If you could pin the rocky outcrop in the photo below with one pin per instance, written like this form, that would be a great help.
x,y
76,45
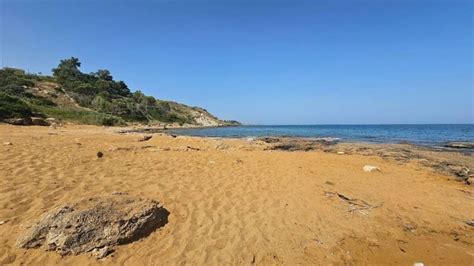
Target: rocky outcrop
x,y
39,121
18,121
95,225
27,121
459,145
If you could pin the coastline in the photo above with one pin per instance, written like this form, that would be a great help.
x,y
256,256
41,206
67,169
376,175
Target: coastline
x,y
243,201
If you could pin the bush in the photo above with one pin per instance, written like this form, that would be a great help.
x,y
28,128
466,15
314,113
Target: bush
x,y
82,117
13,107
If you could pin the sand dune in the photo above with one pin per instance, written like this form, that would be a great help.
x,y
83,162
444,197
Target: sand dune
x,y
232,202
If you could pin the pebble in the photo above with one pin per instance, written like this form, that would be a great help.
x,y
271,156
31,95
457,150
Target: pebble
x,y
370,168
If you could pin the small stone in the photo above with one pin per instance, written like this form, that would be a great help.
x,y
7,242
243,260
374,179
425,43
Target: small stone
x,y
370,168
100,154
145,138
470,223
100,253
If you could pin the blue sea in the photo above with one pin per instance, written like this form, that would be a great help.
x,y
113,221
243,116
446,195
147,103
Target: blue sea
x,y
431,135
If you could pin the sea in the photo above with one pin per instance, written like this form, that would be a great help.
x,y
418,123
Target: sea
x,y
430,135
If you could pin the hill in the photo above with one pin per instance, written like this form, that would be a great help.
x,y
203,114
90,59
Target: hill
x,y
96,98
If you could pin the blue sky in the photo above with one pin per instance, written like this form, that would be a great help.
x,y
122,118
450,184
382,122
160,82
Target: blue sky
x,y
264,62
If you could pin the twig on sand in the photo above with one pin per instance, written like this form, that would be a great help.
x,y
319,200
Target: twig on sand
x,y
356,204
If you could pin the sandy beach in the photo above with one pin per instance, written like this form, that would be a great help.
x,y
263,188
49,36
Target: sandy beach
x,y
233,201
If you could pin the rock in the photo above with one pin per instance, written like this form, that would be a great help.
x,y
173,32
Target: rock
x,y
100,253
18,121
370,168
145,138
460,145
470,223
39,121
95,224
461,172
100,154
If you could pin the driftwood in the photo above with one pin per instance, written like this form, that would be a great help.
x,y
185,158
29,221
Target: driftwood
x,y
358,205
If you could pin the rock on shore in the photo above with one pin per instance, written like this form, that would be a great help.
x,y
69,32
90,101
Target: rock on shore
x,y
95,224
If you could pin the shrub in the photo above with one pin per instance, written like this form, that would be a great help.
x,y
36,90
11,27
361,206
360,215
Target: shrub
x,y
13,107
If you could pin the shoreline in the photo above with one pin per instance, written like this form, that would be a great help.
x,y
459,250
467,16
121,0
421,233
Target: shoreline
x,y
445,145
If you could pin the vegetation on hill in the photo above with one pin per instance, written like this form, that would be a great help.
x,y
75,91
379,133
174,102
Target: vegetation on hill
x,y
94,98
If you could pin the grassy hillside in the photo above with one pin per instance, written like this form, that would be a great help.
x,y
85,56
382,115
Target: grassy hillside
x,y
96,98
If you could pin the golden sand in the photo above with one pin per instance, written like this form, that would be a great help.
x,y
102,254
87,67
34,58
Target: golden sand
x,y
232,202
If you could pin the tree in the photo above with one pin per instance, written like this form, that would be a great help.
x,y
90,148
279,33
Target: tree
x,y
67,70
104,74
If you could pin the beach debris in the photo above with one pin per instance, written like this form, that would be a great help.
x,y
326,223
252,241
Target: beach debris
x,y
357,205
100,154
410,227
95,224
470,223
222,146
7,143
192,148
418,264
400,243
370,168
250,139
3,222
341,153
212,162
145,138
329,183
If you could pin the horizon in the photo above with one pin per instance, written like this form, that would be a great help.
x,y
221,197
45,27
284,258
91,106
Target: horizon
x,y
266,63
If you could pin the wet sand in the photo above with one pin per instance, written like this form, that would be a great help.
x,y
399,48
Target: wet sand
x,y
237,202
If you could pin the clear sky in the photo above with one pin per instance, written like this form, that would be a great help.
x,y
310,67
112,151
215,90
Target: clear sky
x,y
264,62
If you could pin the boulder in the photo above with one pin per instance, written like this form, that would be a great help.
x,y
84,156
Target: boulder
x,y
95,225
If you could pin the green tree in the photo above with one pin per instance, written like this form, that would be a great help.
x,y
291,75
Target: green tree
x,y
104,74
68,70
